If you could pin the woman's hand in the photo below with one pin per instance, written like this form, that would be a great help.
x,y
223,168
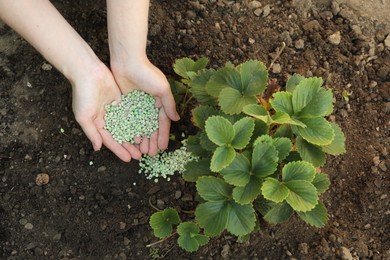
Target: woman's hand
x,y
145,76
90,95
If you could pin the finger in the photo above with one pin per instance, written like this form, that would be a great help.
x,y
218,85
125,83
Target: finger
x,y
144,145
168,102
137,139
114,146
153,144
133,150
157,102
91,132
164,124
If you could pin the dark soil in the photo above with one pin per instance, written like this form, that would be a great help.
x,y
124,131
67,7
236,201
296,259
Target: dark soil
x,y
96,207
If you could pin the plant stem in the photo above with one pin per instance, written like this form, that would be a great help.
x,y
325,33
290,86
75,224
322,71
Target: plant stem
x,y
277,55
151,204
161,240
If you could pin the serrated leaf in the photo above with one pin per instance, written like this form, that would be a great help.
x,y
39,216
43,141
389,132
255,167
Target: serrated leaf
x,y
238,172
261,128
223,78
241,219
198,87
321,182
319,105
189,237
281,118
284,131
263,205
283,146
161,222
186,67
302,195
212,217
299,170
194,146
274,190
279,213
201,113
232,101
248,193
304,92
219,130
263,139
316,217
293,81
282,102
258,112
206,143
317,131
196,169
213,188
178,89
222,158
310,152
264,159
253,77
243,129
337,146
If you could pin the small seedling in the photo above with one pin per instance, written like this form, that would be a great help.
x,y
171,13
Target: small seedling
x,y
258,151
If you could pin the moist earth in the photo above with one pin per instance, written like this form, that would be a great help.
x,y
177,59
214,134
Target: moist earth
x,y
96,207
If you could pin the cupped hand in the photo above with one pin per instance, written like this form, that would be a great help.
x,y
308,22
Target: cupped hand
x,y
90,95
144,76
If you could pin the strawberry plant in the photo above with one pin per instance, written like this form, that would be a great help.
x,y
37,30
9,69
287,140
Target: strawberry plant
x,y
258,148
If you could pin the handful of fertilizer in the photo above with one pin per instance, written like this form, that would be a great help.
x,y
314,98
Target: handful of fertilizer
x,y
135,116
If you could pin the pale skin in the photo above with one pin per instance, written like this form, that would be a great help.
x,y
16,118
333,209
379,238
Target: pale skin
x,y
93,84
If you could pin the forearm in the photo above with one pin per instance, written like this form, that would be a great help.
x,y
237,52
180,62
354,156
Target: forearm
x,y
43,27
127,30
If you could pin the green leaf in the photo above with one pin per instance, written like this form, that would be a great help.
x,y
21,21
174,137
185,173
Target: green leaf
x,y
196,169
302,195
337,146
232,101
241,219
283,146
238,172
279,213
263,205
178,90
206,143
316,217
304,92
282,102
162,221
219,130
248,193
299,170
223,78
274,190
198,87
258,112
317,131
293,82
321,182
263,139
213,188
310,152
284,131
281,118
212,217
183,67
194,146
189,237
243,131
201,113
264,159
319,105
261,128
253,77
222,157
